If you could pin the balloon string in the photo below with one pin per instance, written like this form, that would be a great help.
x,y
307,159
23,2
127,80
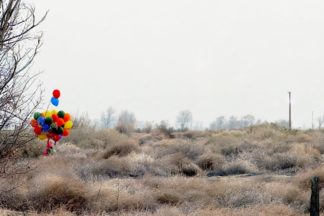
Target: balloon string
x,y
49,103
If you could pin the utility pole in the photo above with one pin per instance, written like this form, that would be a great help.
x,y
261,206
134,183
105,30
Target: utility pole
x,y
289,93
312,120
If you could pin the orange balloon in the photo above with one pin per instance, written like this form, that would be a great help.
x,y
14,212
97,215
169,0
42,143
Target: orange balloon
x,y
67,117
34,123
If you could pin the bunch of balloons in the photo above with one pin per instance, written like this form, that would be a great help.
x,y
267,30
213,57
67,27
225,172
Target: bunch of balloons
x,y
51,125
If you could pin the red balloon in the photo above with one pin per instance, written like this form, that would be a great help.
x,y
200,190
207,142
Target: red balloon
x,y
56,93
55,117
66,132
56,138
38,130
50,135
60,122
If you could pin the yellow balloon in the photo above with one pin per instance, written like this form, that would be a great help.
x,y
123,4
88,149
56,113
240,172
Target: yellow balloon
x,y
54,111
42,136
48,114
68,124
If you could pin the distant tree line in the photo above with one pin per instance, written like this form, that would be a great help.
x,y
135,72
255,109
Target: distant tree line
x,y
222,123
125,122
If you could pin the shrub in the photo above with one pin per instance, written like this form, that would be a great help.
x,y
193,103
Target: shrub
x,y
126,122
169,198
120,149
279,161
177,163
112,167
33,150
148,138
234,168
164,129
210,161
52,191
188,148
224,144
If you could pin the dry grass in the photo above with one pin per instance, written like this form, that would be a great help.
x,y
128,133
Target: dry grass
x,y
102,172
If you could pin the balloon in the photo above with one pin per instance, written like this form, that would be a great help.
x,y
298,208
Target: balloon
x,y
67,117
38,130
33,123
55,101
60,122
68,124
42,137
37,115
46,128
54,111
48,114
52,124
55,117
41,120
66,132
48,120
56,138
60,131
50,135
61,114
56,93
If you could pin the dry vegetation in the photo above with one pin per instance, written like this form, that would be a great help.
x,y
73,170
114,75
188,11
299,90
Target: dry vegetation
x,y
262,170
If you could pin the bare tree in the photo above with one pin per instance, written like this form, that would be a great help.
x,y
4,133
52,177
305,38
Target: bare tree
x,y
320,121
247,120
184,119
108,118
233,123
126,122
82,121
218,124
19,95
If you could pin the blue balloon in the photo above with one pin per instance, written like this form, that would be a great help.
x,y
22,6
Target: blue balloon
x,y
55,101
41,121
46,128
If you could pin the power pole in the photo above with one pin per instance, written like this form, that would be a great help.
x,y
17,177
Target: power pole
x,y
289,93
313,120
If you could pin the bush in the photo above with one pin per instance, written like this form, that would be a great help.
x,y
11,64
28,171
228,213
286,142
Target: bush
x,y
178,164
234,168
169,198
33,150
120,149
53,191
210,161
279,161
188,148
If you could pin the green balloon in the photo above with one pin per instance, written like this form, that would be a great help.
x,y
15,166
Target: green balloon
x,y
60,131
54,130
49,120
37,115
61,114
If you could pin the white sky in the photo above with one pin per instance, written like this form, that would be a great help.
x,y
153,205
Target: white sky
x,y
214,57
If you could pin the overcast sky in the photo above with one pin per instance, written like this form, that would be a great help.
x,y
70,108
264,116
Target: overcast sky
x,y
214,57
